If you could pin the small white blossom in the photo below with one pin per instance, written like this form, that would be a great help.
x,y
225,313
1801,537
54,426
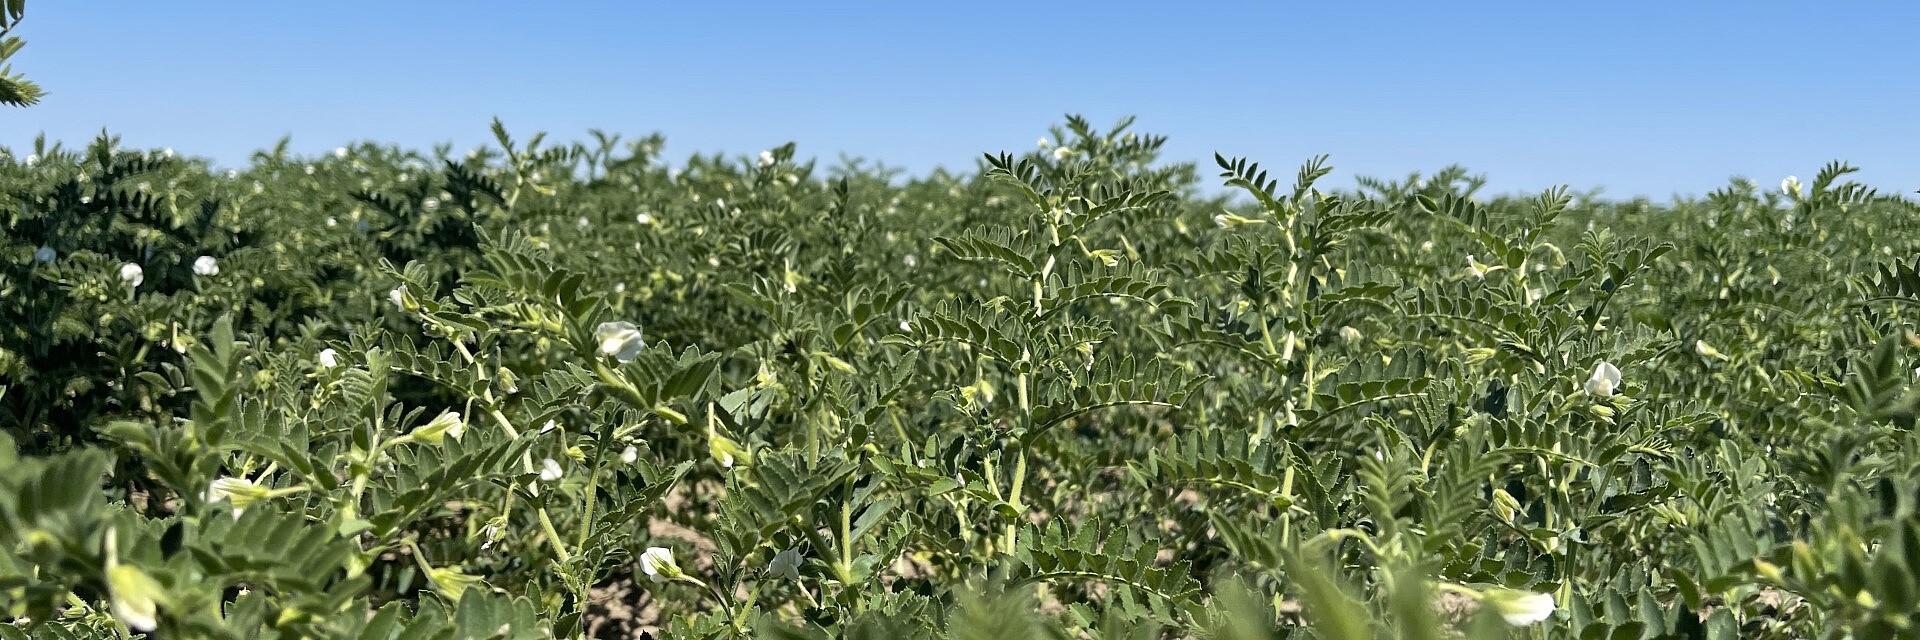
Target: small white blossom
x,y
430,204
1061,153
340,152
549,426
644,218
1604,381
629,454
766,158
331,223
786,564
168,152
658,564
905,328
231,174
621,340
206,266
446,424
45,254
309,169
329,358
492,534
550,470
1044,143
1350,334
133,594
240,492
1520,608
1707,351
398,296
1790,186
132,274
911,261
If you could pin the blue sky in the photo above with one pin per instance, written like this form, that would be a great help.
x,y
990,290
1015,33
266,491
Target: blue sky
x,y
1642,98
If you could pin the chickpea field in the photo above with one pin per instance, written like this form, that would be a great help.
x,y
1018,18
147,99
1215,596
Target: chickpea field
x,y
584,390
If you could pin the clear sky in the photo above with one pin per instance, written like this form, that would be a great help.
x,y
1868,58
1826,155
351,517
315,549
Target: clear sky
x,y
1642,98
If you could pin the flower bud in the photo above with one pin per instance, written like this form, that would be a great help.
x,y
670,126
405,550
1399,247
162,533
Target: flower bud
x,y
451,582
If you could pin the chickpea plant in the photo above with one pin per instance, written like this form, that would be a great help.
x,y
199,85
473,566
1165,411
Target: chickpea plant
x,y
545,390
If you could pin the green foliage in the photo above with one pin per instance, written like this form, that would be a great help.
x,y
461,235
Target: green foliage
x,y
392,394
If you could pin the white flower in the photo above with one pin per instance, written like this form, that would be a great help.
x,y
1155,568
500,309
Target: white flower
x,y
629,454
241,492
644,218
430,204
1707,351
1605,379
331,223
132,274
1061,153
1350,334
398,296
435,431
766,158
309,169
45,254
905,328
549,426
32,158
658,564
1520,607
133,593
550,470
329,358
340,152
168,152
1044,143
206,266
1426,246
911,261
621,340
786,564
1790,186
